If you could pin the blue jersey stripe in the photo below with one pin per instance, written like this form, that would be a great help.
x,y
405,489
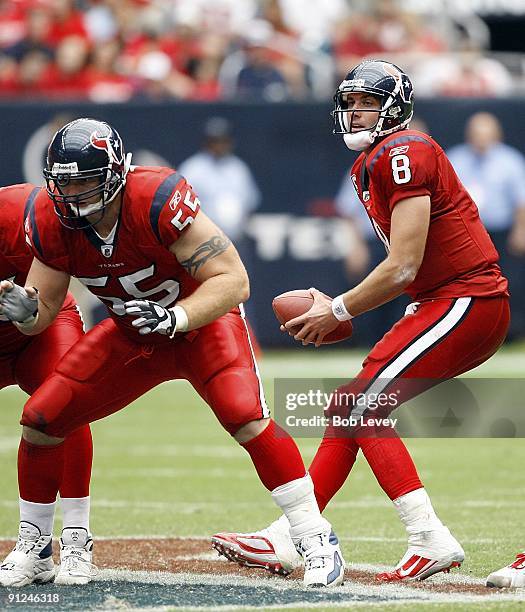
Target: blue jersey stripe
x,y
163,192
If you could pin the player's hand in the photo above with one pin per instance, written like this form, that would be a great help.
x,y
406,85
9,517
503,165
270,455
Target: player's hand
x,y
17,303
315,324
151,317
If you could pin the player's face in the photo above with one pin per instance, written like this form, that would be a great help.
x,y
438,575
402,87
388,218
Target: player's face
x,y
363,111
79,186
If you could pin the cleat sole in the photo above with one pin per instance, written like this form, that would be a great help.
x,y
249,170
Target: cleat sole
x,y
395,577
233,555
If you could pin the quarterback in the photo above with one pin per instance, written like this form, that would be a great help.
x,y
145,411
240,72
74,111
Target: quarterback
x,y
438,252
136,238
27,361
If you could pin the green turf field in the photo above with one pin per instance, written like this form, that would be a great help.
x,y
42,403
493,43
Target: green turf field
x,y
163,466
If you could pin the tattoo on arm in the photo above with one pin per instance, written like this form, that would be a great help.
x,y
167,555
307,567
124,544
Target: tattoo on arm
x,y
207,250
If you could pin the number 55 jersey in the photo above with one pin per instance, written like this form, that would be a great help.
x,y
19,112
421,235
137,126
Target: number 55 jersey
x,y
134,261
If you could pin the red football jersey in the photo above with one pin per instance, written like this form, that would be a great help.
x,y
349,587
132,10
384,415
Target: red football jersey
x,y
15,255
460,259
158,205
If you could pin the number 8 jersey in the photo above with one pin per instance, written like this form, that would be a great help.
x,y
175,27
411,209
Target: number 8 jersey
x,y
460,259
134,261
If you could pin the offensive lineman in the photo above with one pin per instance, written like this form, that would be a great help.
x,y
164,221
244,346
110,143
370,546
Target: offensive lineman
x,y
441,255
27,362
131,234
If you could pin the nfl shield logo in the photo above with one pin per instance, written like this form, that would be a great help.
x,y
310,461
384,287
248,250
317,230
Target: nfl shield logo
x,y
107,250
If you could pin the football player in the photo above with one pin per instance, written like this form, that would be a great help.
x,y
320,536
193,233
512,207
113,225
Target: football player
x,y
27,361
438,252
173,282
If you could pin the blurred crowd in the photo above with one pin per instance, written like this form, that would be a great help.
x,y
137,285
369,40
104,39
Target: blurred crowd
x,y
206,50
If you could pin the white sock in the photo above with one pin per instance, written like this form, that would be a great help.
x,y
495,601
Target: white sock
x,y
297,500
416,512
41,515
75,512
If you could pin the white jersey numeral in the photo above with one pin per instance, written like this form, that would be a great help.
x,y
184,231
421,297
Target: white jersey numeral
x,y
129,284
401,169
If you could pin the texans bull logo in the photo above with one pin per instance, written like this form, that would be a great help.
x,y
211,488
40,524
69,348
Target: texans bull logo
x,y
104,143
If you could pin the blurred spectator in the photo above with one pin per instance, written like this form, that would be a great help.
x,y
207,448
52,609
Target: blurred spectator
x,y
39,24
220,16
12,22
67,21
68,77
223,181
385,29
226,188
100,21
315,20
106,83
256,75
262,49
467,73
159,80
494,175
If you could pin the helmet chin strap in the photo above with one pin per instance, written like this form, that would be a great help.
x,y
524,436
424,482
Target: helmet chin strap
x,y
359,141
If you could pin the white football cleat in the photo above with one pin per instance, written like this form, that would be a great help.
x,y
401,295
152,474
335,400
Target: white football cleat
x,y
511,576
76,553
324,565
429,552
31,559
270,549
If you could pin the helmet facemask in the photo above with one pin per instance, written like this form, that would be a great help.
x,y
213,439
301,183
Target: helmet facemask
x,y
395,110
74,209
90,152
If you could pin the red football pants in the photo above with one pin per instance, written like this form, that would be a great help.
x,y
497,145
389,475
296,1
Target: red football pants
x,y
29,366
106,371
441,339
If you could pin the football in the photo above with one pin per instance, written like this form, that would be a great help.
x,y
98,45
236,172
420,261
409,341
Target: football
x,y
294,303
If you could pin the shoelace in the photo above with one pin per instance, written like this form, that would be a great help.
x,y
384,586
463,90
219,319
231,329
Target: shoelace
x,y
25,546
314,555
72,562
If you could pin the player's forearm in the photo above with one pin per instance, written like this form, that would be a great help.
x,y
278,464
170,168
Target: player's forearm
x,y
387,281
215,297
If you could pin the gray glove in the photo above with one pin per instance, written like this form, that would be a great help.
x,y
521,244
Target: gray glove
x,y
17,305
152,317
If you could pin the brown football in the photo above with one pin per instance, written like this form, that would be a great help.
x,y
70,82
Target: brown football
x,y
294,303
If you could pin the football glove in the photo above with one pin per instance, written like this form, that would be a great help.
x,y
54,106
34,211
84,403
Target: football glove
x,y
151,317
16,304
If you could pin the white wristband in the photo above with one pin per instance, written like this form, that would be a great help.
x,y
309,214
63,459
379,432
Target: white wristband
x,y
181,319
339,309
